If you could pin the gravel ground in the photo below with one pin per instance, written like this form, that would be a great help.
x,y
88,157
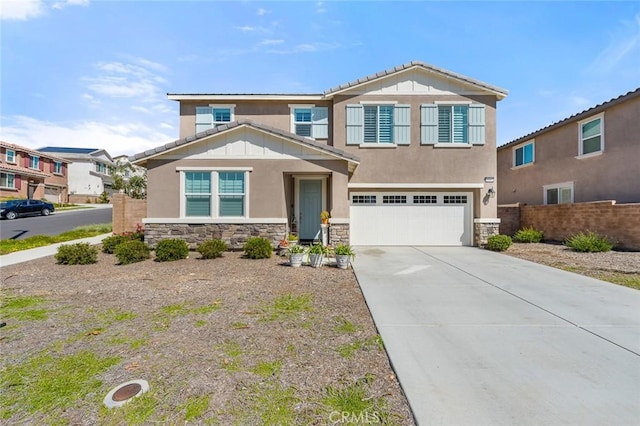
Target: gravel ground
x,y
186,316
592,264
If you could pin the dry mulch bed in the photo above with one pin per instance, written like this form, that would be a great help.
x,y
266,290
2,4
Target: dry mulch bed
x,y
195,328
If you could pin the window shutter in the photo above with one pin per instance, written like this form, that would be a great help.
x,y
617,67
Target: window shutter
x,y
320,120
476,124
204,118
64,169
402,124
17,181
429,124
27,161
355,124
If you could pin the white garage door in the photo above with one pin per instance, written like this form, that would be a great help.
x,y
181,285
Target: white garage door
x,y
401,219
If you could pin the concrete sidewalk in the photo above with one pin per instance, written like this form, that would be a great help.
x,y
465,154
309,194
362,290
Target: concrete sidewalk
x,y
50,250
481,338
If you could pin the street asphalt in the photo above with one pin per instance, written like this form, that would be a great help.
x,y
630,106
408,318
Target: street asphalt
x,y
482,338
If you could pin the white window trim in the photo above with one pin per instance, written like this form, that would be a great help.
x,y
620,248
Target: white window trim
x,y
60,173
7,177
452,102
31,157
6,156
292,116
558,186
452,145
215,195
580,146
378,145
522,145
232,110
378,103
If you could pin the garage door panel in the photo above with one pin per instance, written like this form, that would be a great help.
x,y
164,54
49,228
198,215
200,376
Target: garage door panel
x,y
411,224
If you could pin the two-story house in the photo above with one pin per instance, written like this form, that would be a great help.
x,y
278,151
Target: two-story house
x,y
406,156
591,156
27,173
89,172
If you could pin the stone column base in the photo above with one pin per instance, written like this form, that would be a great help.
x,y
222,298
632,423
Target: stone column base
x,y
483,229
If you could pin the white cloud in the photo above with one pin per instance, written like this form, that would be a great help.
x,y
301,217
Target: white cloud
x,y
120,80
306,48
122,138
320,7
21,10
624,45
262,12
270,42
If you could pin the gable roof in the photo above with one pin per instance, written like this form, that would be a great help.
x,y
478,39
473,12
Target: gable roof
x,y
575,117
499,92
21,148
328,94
77,153
141,158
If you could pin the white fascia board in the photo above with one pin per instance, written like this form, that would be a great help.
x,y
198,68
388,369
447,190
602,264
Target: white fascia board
x,y
213,220
415,185
245,97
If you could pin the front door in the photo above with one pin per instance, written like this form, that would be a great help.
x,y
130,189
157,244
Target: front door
x,y
310,208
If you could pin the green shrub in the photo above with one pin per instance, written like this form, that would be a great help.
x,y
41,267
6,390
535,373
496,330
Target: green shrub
x,y
589,242
109,244
212,248
258,248
132,251
498,242
528,235
171,249
76,254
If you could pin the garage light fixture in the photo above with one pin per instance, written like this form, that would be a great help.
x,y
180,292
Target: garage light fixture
x,y
489,179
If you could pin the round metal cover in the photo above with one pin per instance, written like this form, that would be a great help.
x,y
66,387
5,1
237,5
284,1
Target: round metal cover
x,y
125,392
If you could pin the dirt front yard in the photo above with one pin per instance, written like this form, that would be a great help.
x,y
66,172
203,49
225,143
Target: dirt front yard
x,y
224,341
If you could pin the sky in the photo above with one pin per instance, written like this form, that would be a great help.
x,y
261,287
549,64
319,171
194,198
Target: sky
x,y
96,73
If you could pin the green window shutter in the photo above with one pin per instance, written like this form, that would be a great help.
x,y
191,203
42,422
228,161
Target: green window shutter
x,y
355,124
320,120
429,124
402,124
476,124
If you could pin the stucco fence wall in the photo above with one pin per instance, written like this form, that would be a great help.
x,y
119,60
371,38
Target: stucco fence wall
x,y
619,222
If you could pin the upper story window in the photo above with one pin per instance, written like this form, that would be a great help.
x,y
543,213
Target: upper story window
x,y
11,156
310,121
560,193
7,180
382,124
101,168
452,124
34,162
524,154
591,138
212,116
57,167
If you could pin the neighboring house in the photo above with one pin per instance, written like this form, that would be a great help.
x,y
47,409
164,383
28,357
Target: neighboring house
x,y
27,173
126,168
591,156
89,173
406,156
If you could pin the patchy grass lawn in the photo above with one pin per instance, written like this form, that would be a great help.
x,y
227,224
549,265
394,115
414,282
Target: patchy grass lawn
x,y
10,246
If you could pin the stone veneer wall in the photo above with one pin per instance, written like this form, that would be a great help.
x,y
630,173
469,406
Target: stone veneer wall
x,y
338,233
482,232
235,235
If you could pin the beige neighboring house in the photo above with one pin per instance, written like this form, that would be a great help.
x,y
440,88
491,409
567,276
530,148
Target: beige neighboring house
x,y
406,156
27,173
591,156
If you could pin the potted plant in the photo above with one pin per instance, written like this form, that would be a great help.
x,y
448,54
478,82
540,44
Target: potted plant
x,y
324,217
317,252
344,253
296,254
292,239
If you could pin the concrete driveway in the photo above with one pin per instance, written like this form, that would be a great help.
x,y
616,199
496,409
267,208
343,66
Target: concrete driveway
x,y
481,338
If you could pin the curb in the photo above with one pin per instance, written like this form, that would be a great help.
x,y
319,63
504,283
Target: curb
x,y
44,251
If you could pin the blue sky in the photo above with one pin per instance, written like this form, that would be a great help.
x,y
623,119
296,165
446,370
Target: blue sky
x,y
95,73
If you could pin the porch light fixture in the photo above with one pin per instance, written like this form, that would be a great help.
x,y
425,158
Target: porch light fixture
x,y
489,179
491,192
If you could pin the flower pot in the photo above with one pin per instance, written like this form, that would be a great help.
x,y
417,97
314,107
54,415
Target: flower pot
x,y
342,261
295,259
315,260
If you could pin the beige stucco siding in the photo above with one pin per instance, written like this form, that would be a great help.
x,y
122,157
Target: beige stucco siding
x,y
272,113
613,175
269,184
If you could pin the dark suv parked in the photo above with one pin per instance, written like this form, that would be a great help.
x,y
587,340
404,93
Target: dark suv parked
x,y
13,208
